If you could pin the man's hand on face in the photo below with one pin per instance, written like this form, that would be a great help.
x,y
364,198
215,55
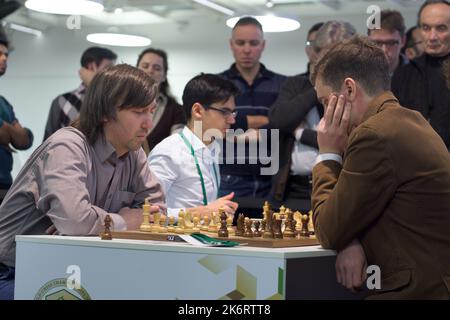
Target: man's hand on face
x,y
332,131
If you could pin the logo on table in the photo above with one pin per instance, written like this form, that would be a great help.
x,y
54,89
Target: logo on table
x,y
60,289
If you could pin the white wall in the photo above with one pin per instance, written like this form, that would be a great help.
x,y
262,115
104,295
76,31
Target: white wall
x,y
41,68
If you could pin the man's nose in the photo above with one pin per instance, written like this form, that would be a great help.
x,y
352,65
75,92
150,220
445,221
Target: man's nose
x,y
148,121
433,34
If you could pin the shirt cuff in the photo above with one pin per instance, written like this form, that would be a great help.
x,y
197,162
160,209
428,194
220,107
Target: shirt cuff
x,y
329,156
119,223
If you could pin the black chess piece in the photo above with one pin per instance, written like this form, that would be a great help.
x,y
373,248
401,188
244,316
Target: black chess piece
x,y
106,235
257,233
248,228
223,231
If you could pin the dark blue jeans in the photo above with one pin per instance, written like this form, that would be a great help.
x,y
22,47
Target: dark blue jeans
x,y
7,275
245,186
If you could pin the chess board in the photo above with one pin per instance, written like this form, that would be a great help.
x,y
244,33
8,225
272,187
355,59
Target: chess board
x,y
252,242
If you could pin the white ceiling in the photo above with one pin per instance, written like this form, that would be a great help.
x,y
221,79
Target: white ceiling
x,y
173,21
144,12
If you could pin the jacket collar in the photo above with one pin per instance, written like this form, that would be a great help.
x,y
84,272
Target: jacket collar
x,y
379,103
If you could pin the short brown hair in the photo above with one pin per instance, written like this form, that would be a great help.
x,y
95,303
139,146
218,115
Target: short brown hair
x,y
113,89
357,58
248,21
391,20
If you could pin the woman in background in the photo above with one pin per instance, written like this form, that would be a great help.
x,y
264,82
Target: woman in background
x,y
168,116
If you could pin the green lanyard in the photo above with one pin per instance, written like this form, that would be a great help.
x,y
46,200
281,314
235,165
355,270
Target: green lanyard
x,y
202,181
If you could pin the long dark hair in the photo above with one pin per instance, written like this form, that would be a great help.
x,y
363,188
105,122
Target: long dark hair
x,y
113,89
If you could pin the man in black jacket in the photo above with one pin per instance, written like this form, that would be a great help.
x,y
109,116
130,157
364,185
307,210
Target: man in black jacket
x,y
296,113
420,85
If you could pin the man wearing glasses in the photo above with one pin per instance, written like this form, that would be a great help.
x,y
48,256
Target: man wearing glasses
x,y
414,46
186,163
390,37
420,84
309,50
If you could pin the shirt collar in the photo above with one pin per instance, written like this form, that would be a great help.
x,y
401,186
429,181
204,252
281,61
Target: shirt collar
x,y
81,89
262,72
196,143
104,150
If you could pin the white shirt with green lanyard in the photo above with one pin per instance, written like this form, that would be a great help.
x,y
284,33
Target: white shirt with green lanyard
x,y
187,169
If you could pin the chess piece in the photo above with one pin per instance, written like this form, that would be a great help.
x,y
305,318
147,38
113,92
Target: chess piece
x,y
277,234
282,213
230,226
248,228
156,218
288,231
205,225
106,235
181,214
310,223
196,228
146,226
212,225
268,230
298,220
223,231
162,224
257,233
180,225
304,232
266,208
293,224
263,225
171,228
188,220
240,225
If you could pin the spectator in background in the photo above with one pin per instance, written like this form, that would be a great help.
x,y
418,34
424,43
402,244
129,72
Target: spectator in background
x,y
420,84
168,116
414,45
66,107
390,38
12,134
259,89
309,47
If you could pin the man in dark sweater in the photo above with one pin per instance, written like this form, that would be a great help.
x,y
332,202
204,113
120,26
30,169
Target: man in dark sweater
x,y
420,85
259,87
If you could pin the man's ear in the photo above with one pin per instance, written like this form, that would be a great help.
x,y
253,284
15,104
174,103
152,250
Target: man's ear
x,y
350,89
403,41
197,111
92,66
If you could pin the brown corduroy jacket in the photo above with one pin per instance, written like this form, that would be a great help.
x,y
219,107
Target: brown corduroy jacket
x,y
392,192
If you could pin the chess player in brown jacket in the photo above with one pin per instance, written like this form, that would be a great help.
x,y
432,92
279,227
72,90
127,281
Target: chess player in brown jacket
x,y
381,184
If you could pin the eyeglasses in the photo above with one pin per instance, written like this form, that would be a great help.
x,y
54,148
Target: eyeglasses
x,y
387,43
225,112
